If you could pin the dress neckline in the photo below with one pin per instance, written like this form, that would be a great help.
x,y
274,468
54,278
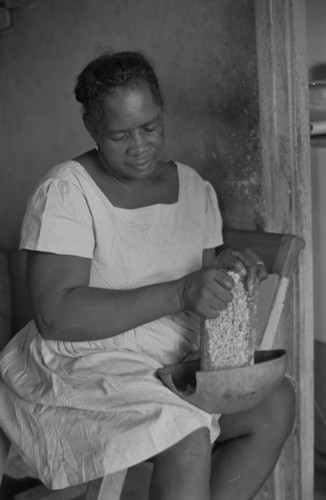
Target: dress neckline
x,y
138,209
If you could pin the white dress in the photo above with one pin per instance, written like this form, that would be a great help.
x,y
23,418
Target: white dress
x,y
76,411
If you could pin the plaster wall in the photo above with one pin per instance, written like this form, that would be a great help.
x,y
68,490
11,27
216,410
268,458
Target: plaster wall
x,y
204,54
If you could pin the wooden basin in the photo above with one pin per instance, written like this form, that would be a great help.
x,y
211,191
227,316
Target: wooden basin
x,y
227,390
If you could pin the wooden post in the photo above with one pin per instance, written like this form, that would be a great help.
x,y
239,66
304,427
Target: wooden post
x,y
285,148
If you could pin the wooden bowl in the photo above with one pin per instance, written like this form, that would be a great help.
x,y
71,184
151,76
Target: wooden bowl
x,y
227,390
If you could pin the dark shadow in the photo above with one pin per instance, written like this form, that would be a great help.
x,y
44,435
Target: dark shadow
x,y
318,72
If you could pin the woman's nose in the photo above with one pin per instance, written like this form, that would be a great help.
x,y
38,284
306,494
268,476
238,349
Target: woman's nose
x,y
138,142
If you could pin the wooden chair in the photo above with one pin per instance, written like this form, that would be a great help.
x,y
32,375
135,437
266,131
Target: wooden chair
x,y
280,254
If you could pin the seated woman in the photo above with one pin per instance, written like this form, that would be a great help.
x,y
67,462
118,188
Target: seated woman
x,y
121,252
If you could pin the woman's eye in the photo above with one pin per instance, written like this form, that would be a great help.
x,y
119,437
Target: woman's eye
x,y
118,137
150,128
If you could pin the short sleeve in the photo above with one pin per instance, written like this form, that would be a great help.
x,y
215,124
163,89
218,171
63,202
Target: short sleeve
x,y
213,219
58,220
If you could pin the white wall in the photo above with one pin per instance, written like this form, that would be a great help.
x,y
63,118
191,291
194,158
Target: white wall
x,y
316,38
316,50
204,52
318,166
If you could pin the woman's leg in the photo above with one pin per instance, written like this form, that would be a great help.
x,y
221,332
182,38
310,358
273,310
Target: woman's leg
x,y
249,445
182,472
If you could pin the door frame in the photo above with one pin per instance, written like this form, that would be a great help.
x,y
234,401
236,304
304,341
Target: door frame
x,y
286,180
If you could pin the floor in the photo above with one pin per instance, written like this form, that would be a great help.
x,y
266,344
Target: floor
x,y
32,490
320,476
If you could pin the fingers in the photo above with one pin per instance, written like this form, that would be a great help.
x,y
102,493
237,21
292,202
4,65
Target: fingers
x,y
206,292
250,260
220,293
261,270
244,262
222,278
228,259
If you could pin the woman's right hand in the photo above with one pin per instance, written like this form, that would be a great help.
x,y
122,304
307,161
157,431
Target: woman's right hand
x,y
206,292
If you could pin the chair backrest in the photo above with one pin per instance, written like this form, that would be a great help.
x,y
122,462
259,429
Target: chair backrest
x,y
22,312
280,253
5,300
15,310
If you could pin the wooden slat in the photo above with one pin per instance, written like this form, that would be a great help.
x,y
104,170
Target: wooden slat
x,y
266,297
286,261
40,492
268,340
107,488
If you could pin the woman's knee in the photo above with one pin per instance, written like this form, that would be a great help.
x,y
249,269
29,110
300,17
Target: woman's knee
x,y
285,403
280,411
194,448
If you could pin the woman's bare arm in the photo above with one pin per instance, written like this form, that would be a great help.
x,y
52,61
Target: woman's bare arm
x,y
66,308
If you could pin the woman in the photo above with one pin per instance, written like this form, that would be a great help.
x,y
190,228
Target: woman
x,y
121,266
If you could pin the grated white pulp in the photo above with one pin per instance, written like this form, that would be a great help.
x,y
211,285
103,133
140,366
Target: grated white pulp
x,y
228,341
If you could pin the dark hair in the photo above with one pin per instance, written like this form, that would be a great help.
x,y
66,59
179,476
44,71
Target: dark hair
x,y
109,71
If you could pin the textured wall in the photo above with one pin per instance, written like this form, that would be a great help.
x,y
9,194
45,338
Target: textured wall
x,y
204,52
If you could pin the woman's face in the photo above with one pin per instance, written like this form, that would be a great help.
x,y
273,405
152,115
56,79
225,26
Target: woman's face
x,y
130,133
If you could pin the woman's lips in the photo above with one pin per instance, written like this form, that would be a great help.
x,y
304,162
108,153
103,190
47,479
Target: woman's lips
x,y
140,163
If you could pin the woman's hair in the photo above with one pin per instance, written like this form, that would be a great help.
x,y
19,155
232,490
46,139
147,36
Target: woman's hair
x,y
110,71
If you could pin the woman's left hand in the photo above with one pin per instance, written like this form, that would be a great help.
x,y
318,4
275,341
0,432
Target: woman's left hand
x,y
244,262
